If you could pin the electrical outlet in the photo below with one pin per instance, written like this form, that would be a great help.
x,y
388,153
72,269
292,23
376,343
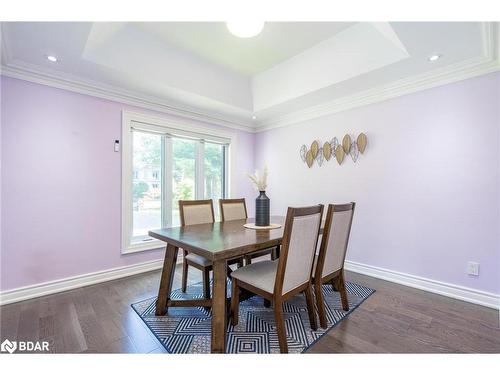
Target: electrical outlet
x,y
473,268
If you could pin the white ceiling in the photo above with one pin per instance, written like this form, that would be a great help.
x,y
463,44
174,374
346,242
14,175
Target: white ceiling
x,y
277,42
285,72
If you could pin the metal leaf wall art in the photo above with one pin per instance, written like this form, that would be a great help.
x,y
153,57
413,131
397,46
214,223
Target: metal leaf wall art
x,y
334,150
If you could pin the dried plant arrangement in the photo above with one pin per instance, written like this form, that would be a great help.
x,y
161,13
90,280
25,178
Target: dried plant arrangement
x,y
259,181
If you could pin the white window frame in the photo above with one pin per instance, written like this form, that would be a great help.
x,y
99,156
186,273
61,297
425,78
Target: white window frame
x,y
167,128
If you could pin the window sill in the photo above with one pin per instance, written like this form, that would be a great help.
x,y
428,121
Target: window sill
x,y
144,246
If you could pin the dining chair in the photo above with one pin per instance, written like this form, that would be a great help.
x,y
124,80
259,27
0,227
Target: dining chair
x,y
236,209
329,264
291,274
193,212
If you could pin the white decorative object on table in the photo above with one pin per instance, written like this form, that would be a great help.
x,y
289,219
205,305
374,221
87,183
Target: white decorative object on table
x,y
253,226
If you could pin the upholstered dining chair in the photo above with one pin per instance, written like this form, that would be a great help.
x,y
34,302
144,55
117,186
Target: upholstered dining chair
x,y
236,209
282,279
329,264
194,212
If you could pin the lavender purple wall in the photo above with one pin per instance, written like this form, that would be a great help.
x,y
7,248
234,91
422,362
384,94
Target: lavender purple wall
x,y
427,188
61,184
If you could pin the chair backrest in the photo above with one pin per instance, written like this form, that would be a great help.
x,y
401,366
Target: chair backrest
x,y
335,239
196,212
298,247
233,209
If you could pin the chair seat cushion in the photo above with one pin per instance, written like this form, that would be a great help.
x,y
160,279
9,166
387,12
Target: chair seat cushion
x,y
202,261
261,275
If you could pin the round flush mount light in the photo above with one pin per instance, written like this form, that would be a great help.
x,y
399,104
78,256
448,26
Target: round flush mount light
x,y
52,58
434,58
254,117
245,28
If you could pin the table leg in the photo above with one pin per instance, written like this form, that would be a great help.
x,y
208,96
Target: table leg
x,y
167,279
219,307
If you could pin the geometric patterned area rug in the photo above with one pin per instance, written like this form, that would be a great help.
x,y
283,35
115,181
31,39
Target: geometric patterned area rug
x,y
187,330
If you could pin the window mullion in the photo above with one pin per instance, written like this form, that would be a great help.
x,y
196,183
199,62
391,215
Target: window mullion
x,y
167,179
200,170
225,172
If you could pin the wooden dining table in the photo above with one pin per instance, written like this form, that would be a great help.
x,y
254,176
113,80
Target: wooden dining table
x,y
217,242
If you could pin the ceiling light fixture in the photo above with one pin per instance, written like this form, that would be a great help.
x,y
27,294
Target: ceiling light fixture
x,y
245,29
52,58
254,117
434,58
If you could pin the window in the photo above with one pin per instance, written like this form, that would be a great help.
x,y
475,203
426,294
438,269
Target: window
x,y
161,165
146,197
214,176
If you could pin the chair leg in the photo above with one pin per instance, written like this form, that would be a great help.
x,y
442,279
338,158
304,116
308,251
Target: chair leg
x,y
334,285
235,302
277,251
320,303
280,325
274,253
206,283
184,272
343,291
310,308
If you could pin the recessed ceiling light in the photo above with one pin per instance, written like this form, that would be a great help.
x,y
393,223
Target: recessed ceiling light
x,y
52,58
245,29
254,117
434,58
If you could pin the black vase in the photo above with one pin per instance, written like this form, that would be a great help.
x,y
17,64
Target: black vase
x,y
262,210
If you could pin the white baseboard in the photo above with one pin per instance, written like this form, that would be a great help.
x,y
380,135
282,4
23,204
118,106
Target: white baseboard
x,y
449,290
61,285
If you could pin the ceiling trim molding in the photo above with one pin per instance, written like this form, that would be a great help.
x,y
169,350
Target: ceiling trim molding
x,y
488,63
452,73
32,74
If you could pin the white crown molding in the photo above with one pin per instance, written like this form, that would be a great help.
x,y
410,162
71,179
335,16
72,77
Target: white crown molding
x,y
10,68
474,67
450,74
488,63
61,285
475,296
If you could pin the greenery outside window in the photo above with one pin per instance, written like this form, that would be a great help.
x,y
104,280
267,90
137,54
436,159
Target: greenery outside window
x,y
161,165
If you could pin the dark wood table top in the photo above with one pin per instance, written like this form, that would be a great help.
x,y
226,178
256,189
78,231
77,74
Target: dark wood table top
x,y
221,240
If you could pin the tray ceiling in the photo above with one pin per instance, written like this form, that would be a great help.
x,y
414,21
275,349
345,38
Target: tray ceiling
x,y
291,68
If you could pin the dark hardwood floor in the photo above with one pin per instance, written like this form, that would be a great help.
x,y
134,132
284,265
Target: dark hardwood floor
x,y
396,319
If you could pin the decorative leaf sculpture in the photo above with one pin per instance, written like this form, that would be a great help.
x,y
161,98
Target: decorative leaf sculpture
x,y
354,151
339,155
346,143
303,151
314,149
334,149
334,143
320,158
327,151
362,141
309,158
